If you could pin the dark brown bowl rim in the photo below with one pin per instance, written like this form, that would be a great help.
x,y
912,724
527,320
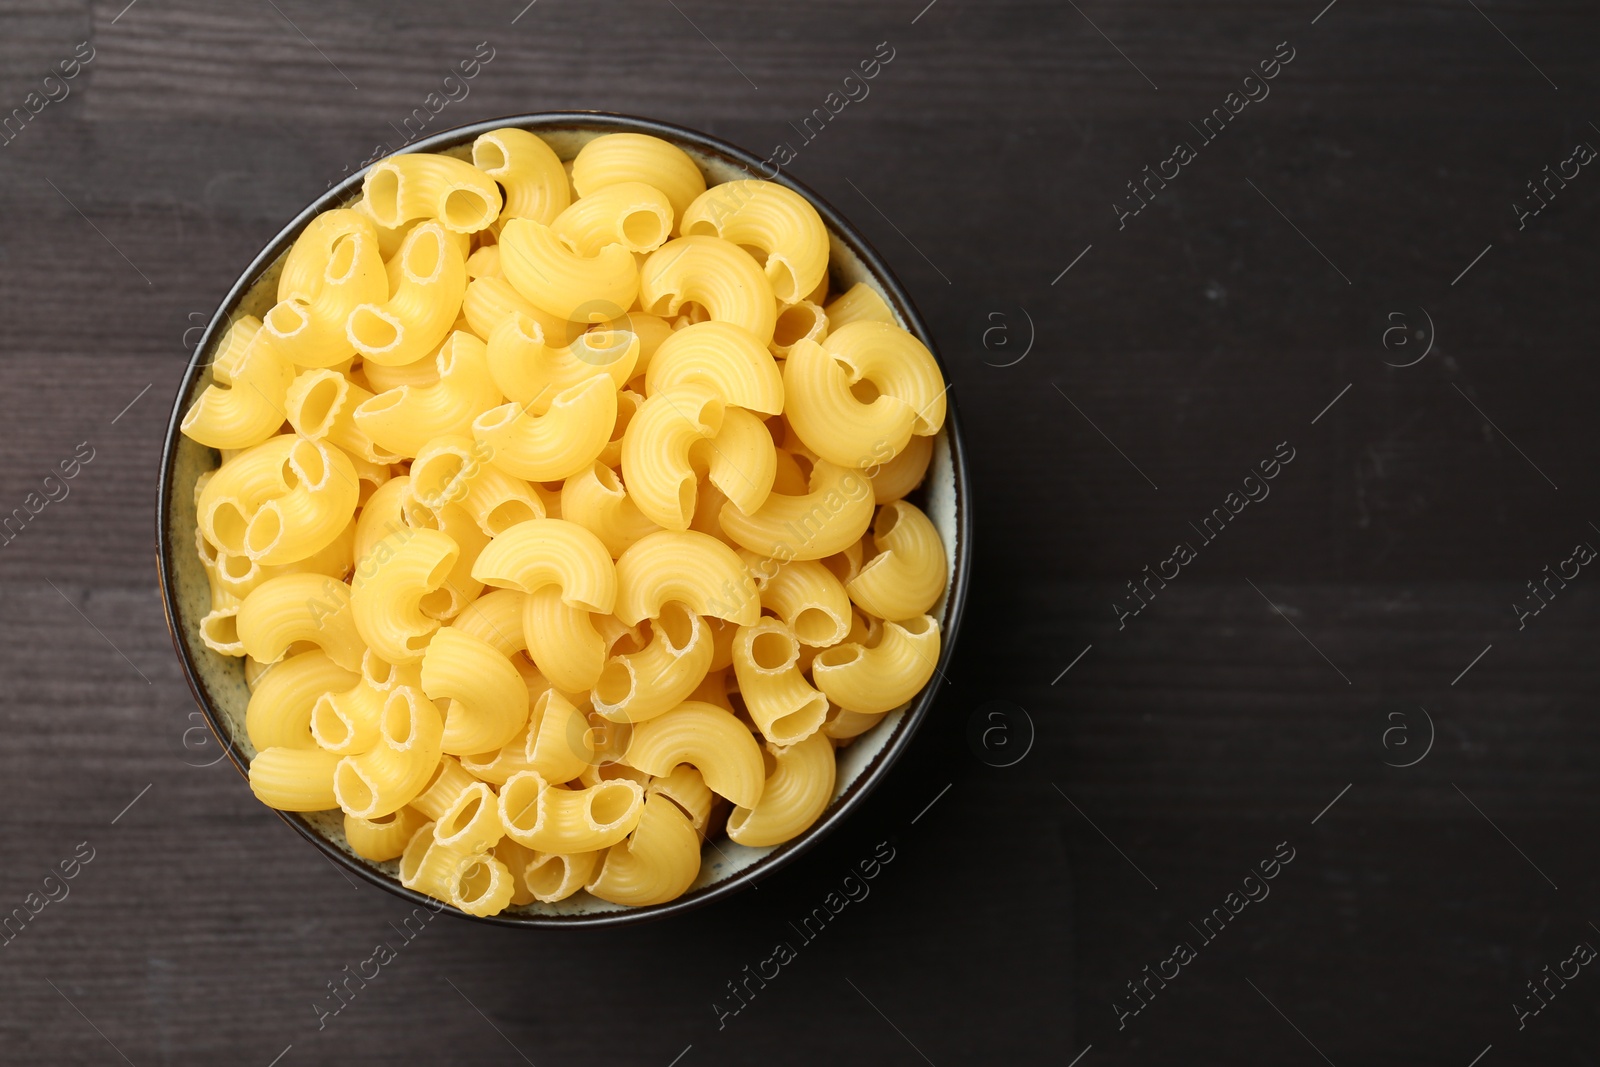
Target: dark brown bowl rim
x,y
955,603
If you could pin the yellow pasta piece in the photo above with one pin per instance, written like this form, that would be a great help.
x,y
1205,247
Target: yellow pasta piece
x,y
797,792
659,861
641,685
387,607
300,607
382,838
726,358
311,332
321,404
656,451
707,738
528,371
804,321
394,771
552,552
562,282
903,473
305,267
552,876
782,703
595,499
687,566
422,304
832,515
551,818
531,173
740,460
485,700
560,442
715,274
244,404
859,303
778,221
880,678
416,185
807,596
634,215
489,301
614,158
403,420
294,779
907,576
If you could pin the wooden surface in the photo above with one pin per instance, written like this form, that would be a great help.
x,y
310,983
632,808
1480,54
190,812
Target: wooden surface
x,y
1171,758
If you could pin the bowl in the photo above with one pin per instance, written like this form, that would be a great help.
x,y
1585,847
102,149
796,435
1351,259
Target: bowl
x,y
218,681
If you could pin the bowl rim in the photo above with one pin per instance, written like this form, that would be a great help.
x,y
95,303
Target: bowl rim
x,y
880,764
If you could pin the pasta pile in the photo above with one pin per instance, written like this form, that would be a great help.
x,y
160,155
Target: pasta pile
x,y
559,519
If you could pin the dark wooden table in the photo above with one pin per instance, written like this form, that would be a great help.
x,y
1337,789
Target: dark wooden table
x,y
1119,378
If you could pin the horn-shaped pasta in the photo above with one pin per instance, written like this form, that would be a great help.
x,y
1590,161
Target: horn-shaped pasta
x,y
709,739
562,640
477,882
346,722
550,818
631,214
807,596
311,333
844,725
685,788
489,301
483,885
460,587
595,499
244,404
881,678
300,607
555,743
404,419
306,265
686,566
741,459
496,618
716,274
557,444
781,702
826,520
570,286
387,606
652,331
294,779
859,303
421,307
773,218
804,321
552,876
544,552
825,411
383,838
725,357
394,771
797,793
904,472
321,405
487,702
897,364
528,169
641,685
238,489
419,185
317,505
656,451
279,712
614,158
909,572
528,371
471,821
659,861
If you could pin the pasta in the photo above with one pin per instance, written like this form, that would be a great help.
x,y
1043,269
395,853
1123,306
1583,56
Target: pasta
x,y
560,520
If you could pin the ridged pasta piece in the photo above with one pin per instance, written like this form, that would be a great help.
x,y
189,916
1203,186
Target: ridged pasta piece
x,y
516,859
387,607
859,303
311,332
685,788
570,286
294,779
529,371
635,215
782,703
641,685
244,404
403,420
557,444
687,566
716,274
844,726
422,304
796,794
652,331
496,618
880,678
321,403
552,876
659,861
551,818
415,185
484,263
613,158
471,821
773,218
707,738
834,514
345,722
393,772
552,552
300,607
740,460
562,640
460,588
904,472
804,321
656,451
908,575
482,886
595,499
382,838
806,595
317,504
489,301
724,357
556,742
306,265
484,698
834,422
529,171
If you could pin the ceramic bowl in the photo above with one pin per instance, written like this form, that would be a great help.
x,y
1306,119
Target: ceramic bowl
x,y
218,681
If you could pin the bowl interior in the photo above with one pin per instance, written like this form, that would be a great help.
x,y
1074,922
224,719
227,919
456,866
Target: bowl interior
x,y
219,681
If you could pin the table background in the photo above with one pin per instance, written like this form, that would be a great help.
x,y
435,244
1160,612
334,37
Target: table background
x,y
1322,636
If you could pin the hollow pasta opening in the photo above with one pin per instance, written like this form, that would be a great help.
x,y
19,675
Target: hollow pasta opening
x,y
467,209
865,391
383,195
772,650
837,656
815,626
373,330
354,793
331,730
643,228
547,875
507,514
264,530
677,625
616,684
399,720
488,154
342,263
796,725
610,803
520,803
287,317
319,402
415,852
229,524
424,254
474,882
460,817
781,275
795,323
918,626
221,627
